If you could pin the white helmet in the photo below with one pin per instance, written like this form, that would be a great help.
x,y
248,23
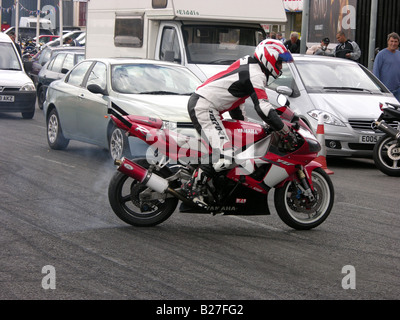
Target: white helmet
x,y
271,51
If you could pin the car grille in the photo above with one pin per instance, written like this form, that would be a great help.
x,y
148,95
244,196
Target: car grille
x,y
10,89
357,124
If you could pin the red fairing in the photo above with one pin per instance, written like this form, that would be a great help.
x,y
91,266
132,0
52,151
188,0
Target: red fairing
x,y
243,133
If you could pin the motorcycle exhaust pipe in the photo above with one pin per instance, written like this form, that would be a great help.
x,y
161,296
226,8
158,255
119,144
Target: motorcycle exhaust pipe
x,y
142,175
147,178
382,125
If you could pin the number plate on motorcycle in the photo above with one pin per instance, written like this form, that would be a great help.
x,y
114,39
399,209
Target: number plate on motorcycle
x,y
369,139
7,98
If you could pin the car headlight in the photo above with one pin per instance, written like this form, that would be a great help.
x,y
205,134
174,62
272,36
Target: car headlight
x,y
329,118
28,87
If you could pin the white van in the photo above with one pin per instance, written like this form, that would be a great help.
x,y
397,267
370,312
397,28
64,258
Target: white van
x,y
17,91
31,22
205,36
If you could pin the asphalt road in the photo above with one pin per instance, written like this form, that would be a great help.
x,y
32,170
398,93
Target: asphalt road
x,y
60,239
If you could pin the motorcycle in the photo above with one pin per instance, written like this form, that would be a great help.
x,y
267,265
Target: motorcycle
x,y
146,191
386,153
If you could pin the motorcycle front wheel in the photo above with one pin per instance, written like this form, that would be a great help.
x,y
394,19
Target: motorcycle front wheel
x,y
136,204
386,155
297,211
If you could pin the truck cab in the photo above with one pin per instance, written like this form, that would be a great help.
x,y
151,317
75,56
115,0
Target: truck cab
x,y
205,36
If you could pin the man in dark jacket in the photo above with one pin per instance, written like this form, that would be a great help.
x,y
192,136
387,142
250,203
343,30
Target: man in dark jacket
x,y
346,48
293,44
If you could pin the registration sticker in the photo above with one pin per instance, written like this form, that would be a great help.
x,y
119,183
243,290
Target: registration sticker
x,y
7,98
369,138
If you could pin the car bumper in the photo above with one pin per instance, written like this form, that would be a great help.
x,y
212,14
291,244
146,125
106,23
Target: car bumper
x,y
23,102
352,144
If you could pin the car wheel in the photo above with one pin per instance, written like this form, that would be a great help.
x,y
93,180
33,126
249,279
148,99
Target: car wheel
x,y
41,97
118,145
55,137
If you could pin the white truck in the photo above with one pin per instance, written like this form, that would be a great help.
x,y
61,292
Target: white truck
x,y
31,22
205,35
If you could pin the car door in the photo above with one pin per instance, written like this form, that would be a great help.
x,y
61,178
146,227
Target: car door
x,y
66,99
53,71
93,116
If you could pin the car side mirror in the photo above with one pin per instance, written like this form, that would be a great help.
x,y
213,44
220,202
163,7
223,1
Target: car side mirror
x,y
95,88
64,70
284,90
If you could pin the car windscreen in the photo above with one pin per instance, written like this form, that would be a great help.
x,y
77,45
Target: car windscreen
x,y
330,76
153,79
8,57
220,44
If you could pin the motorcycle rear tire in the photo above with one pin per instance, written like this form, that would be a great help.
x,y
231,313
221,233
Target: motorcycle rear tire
x,y
381,158
298,217
123,195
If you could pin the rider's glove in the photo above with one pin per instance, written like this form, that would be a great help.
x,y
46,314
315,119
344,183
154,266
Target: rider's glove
x,y
288,138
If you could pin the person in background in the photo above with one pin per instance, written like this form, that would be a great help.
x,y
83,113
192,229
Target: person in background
x,y
321,49
12,37
72,43
346,48
280,37
293,44
387,65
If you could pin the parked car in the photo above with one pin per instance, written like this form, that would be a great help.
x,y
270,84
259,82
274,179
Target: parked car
x,y
344,92
27,32
47,38
72,34
39,60
76,107
55,69
17,92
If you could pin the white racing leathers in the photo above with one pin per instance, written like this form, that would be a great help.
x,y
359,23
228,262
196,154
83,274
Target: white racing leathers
x,y
227,91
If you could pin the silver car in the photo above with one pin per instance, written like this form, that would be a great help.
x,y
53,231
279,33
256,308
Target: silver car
x,y
343,92
76,107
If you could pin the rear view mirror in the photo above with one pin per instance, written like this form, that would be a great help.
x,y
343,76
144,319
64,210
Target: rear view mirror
x,y
282,100
95,88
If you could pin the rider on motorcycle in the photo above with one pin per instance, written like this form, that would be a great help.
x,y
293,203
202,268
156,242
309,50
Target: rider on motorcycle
x,y
227,91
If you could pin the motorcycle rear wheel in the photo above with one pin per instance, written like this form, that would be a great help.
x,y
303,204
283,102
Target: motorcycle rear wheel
x,y
124,197
386,157
293,208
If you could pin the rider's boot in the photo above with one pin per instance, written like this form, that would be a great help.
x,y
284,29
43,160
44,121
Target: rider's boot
x,y
194,187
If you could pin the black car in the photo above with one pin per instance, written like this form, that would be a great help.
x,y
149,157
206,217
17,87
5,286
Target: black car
x,y
45,55
55,69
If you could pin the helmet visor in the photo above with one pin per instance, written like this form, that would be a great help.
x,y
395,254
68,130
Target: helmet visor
x,y
286,56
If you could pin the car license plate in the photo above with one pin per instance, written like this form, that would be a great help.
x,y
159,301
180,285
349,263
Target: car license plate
x,y
369,138
7,98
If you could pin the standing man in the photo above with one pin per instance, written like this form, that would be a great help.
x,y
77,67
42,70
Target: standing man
x,y
293,44
17,46
346,48
280,37
387,65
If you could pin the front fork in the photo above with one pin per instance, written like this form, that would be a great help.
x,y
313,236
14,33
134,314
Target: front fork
x,y
305,184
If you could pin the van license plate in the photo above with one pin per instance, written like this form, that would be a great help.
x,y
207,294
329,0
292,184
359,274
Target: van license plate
x,y
369,139
7,98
